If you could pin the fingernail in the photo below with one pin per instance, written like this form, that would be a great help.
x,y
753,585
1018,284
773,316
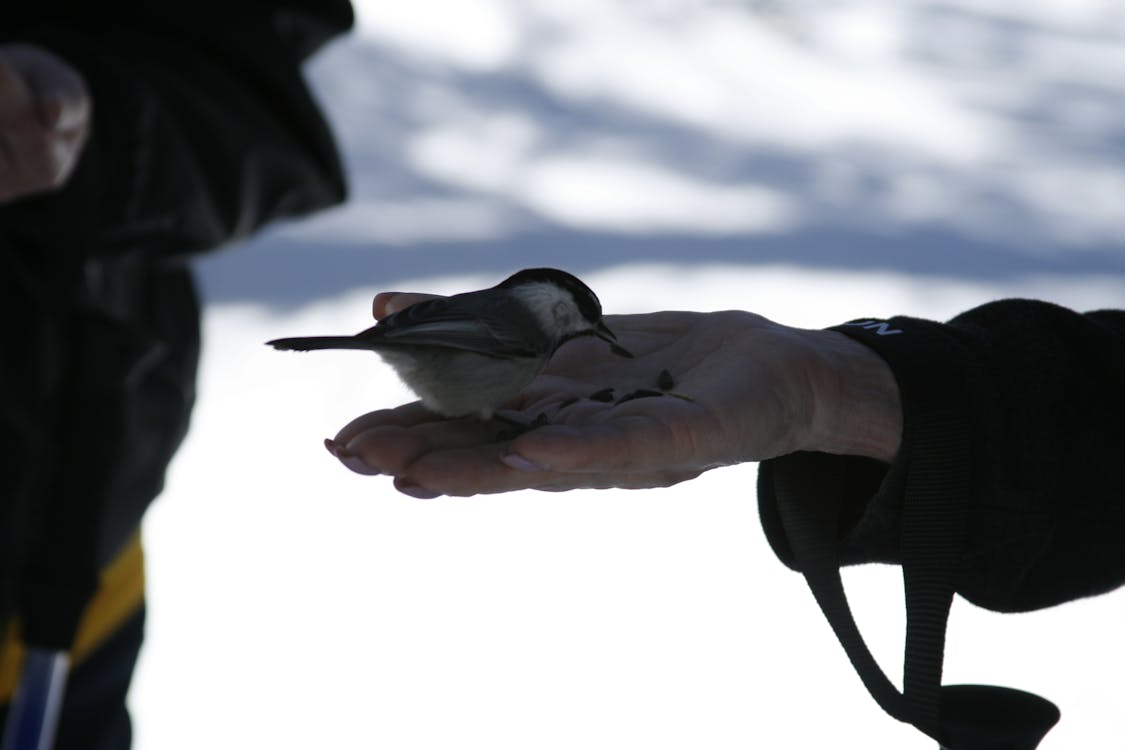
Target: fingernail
x,y
383,299
349,459
520,463
406,487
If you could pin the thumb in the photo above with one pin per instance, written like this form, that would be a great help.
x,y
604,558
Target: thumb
x,y
388,303
58,89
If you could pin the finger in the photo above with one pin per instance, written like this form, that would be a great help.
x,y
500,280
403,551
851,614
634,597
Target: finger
x,y
15,97
624,444
643,481
388,303
63,100
29,160
461,472
477,471
64,113
60,93
405,415
402,416
390,448
44,119
16,117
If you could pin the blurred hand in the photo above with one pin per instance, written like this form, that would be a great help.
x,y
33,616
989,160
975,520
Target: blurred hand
x,y
45,111
742,389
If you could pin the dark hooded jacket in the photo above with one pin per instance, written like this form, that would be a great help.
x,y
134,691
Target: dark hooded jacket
x,y
203,131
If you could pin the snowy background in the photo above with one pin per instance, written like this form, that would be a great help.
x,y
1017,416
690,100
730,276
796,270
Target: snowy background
x,y
812,161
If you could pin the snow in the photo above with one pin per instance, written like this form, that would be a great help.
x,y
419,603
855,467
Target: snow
x,y
811,161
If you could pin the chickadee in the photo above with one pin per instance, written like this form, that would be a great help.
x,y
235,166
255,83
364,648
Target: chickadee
x,y
470,353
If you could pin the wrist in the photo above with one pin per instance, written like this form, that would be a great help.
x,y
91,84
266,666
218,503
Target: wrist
x,y
857,408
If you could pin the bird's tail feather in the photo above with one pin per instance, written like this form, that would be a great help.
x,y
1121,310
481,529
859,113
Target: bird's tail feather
x,y
309,343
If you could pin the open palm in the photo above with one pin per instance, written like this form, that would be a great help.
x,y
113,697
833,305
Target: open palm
x,y
702,390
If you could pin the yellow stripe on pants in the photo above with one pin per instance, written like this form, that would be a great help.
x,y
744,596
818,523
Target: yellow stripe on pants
x,y
121,591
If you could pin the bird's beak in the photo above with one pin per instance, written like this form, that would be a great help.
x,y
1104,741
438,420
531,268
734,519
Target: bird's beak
x,y
601,330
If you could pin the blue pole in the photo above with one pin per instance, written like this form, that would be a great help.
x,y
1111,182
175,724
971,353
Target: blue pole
x,y
34,714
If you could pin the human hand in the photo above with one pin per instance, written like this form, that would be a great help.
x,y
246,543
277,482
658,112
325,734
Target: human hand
x,y
45,111
744,389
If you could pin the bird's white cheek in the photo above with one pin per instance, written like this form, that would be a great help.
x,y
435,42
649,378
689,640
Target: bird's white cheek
x,y
567,320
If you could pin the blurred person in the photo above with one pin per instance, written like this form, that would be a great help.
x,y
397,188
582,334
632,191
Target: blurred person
x,y
981,454
132,137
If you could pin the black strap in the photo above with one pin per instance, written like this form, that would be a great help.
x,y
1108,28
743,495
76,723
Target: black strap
x,y
809,489
810,516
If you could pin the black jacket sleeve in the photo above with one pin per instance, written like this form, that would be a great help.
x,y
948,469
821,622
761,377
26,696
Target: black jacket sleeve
x,y
203,128
1045,390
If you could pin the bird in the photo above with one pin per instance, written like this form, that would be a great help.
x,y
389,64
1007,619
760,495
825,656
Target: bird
x,y
471,353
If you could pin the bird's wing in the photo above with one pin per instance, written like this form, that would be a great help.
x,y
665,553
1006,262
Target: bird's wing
x,y
490,327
